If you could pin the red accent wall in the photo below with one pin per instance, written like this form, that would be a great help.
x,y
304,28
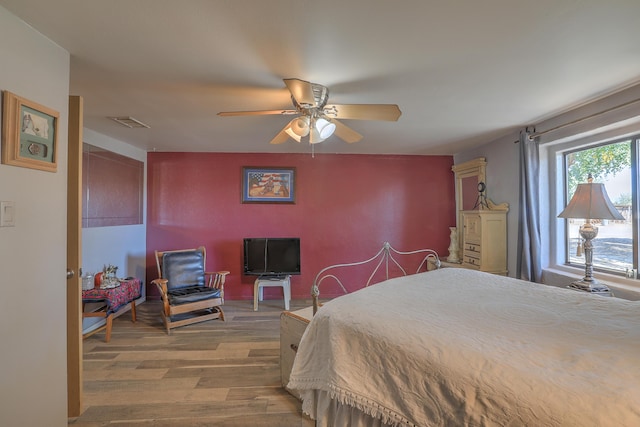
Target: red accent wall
x,y
346,207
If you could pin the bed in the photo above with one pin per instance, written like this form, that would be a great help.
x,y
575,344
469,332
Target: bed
x,y
461,347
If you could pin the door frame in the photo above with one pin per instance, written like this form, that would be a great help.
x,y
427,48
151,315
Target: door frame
x,y
74,258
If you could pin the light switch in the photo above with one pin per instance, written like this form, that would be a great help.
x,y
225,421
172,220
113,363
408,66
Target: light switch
x,y
7,214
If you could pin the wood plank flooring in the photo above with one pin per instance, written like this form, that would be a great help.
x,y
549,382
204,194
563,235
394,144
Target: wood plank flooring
x,y
208,374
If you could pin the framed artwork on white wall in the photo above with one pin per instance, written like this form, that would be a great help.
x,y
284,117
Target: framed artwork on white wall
x,y
29,134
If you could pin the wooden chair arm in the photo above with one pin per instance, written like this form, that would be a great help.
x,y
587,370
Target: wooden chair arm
x,y
161,284
216,280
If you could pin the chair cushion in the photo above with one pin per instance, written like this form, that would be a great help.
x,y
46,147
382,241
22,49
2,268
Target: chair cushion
x,y
183,269
189,294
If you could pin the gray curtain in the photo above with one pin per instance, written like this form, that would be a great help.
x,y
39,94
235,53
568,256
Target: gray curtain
x,y
529,249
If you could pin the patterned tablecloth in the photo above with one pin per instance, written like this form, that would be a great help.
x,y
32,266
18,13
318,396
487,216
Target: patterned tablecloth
x,y
115,298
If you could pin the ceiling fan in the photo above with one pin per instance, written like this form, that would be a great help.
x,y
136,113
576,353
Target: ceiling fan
x,y
316,120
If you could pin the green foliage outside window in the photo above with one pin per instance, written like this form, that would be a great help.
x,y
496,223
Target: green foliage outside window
x,y
601,162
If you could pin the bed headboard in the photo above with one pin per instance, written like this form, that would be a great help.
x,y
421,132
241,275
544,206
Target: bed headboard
x,y
386,255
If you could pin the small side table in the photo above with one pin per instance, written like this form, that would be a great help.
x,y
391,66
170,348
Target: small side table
x,y
114,300
263,282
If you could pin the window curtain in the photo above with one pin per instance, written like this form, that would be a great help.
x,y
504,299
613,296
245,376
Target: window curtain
x,y
529,266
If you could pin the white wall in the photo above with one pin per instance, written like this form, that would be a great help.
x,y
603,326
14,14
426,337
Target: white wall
x,y
123,246
33,253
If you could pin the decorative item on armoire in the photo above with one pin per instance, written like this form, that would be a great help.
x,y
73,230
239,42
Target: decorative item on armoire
x,y
453,246
481,201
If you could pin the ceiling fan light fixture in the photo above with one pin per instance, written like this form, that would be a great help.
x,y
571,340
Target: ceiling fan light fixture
x,y
325,128
314,136
300,126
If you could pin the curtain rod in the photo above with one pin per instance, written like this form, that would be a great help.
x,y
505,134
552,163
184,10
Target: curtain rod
x,y
608,110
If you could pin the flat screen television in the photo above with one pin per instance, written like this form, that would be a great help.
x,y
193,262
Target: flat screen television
x,y
272,256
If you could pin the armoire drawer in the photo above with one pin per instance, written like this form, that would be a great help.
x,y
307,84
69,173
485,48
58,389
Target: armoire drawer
x,y
472,247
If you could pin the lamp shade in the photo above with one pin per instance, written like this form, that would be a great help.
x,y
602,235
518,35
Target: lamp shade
x,y
300,126
590,201
325,128
314,136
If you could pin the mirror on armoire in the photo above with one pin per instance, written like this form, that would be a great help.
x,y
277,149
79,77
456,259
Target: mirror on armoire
x,y
470,177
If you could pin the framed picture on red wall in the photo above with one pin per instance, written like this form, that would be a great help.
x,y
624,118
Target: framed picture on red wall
x,y
268,184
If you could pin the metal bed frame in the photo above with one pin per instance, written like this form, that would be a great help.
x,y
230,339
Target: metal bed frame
x,y
383,257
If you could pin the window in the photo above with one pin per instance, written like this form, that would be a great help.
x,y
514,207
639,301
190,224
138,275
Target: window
x,y
614,164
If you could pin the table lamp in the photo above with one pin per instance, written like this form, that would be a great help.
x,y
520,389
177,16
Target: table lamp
x,y
590,201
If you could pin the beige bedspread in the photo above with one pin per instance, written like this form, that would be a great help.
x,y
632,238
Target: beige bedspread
x,y
459,347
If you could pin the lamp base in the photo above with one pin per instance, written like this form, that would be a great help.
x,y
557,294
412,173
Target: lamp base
x,y
592,286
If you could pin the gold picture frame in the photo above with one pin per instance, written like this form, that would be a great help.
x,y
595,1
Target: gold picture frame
x,y
29,134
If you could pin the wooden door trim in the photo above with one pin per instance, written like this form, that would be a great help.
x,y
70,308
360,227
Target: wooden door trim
x,y
74,258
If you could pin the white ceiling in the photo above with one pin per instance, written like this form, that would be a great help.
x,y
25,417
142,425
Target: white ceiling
x,y
464,72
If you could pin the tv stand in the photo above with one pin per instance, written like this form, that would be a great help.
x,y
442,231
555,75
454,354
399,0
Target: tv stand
x,y
271,281
276,277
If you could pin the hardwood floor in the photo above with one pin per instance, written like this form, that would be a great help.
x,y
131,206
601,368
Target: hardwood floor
x,y
208,374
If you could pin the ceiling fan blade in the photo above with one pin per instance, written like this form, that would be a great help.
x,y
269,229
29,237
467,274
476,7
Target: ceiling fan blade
x,y
286,133
302,92
345,133
280,137
388,112
257,113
